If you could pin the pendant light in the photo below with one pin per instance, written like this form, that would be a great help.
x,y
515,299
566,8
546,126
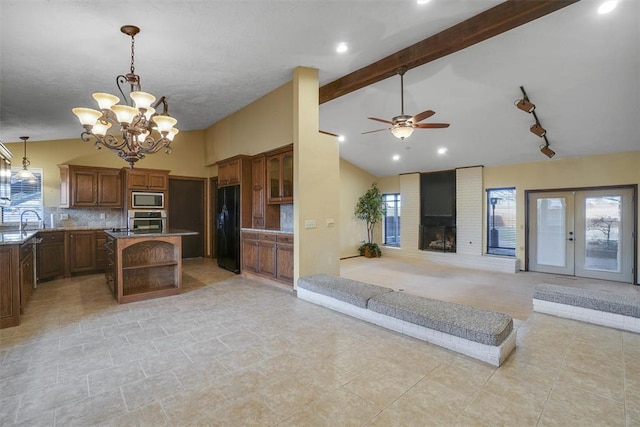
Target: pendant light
x,y
25,174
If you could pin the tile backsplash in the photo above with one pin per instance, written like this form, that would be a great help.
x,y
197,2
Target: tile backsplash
x,y
92,218
286,217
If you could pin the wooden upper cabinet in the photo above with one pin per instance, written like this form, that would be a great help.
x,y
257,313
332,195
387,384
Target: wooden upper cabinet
x,y
229,172
82,186
147,179
280,177
109,188
258,190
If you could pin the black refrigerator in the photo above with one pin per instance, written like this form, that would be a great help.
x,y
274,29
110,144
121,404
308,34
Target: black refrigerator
x,y
228,228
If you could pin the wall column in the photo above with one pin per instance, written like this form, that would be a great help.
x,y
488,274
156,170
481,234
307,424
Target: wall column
x,y
316,211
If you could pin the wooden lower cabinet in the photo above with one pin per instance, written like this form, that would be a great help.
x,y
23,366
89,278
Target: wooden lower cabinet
x,y
284,256
86,251
82,251
9,285
268,254
27,274
51,255
17,280
249,250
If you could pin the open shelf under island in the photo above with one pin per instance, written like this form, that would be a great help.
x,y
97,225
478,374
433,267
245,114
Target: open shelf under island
x,y
144,265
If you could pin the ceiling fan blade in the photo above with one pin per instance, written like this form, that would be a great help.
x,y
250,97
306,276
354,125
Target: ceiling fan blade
x,y
431,125
380,120
377,130
327,133
421,116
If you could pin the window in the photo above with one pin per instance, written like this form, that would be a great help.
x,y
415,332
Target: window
x,y
24,195
501,221
391,223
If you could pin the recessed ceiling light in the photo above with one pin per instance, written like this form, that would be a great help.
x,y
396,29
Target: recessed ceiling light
x,y
396,157
342,47
423,1
607,6
442,151
341,138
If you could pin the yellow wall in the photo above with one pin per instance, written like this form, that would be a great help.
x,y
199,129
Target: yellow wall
x,y
186,159
264,124
354,182
593,171
317,179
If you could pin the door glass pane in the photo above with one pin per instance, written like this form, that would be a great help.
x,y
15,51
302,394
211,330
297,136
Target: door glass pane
x,y
602,231
551,231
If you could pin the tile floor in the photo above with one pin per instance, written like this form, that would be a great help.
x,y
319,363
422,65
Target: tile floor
x,y
231,351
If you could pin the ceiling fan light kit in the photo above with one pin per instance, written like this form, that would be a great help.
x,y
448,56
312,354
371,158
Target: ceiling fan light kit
x,y
136,122
402,126
527,106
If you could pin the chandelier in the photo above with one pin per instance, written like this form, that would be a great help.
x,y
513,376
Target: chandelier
x,y
143,130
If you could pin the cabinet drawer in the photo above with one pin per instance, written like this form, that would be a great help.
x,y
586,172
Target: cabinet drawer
x,y
249,235
285,238
267,237
52,237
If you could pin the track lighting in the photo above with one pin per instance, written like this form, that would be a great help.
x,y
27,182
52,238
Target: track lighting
x,y
525,105
544,149
538,130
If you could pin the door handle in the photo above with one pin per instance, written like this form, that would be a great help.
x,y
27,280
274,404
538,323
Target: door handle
x,y
570,239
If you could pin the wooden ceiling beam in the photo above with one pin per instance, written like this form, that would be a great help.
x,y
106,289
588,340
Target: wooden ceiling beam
x,y
490,23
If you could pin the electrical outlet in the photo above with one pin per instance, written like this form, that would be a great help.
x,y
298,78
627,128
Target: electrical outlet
x,y
309,223
64,216
102,215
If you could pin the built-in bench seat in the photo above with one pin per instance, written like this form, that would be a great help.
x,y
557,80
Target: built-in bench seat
x,y
485,335
592,306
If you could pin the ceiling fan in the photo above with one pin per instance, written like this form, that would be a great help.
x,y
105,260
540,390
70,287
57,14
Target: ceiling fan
x,y
402,126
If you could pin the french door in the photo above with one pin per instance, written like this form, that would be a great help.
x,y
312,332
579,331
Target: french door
x,y
586,233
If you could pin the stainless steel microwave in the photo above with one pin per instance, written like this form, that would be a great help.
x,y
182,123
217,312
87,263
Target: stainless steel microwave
x,y
147,200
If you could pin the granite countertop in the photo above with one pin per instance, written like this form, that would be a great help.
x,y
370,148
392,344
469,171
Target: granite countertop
x,y
265,230
16,237
121,234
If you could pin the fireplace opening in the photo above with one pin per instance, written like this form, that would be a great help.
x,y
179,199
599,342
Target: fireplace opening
x,y
438,238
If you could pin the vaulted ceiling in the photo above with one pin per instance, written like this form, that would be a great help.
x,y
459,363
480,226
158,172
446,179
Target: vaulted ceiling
x,y
210,59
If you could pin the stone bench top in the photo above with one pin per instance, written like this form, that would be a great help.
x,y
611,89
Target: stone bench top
x,y
472,323
340,288
626,305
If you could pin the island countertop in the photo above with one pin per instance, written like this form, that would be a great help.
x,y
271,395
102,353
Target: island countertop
x,y
122,234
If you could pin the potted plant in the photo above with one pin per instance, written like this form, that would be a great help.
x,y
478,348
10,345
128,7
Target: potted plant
x,y
370,209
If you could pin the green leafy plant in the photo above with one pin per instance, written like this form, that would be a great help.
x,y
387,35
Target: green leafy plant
x,y
370,209
370,250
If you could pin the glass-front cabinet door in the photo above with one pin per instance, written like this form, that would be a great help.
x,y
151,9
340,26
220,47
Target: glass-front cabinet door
x,y
273,179
280,178
287,178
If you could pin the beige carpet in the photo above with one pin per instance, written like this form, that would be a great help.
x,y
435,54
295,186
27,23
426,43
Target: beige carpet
x,y
507,293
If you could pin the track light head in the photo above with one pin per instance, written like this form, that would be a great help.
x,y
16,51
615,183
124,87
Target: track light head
x,y
525,105
538,130
544,149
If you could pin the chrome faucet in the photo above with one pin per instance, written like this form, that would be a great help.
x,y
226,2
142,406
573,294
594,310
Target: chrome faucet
x,y
23,223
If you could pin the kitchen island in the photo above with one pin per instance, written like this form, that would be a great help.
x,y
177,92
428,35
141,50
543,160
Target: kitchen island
x,y
17,274
144,265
